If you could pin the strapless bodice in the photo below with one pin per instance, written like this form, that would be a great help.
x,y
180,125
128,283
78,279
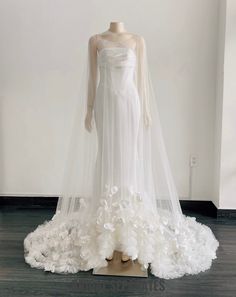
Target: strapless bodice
x,y
117,57
116,67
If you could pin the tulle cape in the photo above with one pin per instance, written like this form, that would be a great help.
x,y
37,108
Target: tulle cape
x,y
155,176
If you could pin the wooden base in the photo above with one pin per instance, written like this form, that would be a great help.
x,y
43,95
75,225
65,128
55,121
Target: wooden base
x,y
119,268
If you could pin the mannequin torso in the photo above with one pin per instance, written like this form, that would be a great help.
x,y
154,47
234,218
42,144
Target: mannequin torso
x,y
115,34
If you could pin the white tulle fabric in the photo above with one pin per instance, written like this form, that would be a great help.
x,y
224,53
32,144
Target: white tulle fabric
x,y
118,191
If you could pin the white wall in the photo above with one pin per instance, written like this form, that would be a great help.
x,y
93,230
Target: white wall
x,y
41,44
227,188
219,100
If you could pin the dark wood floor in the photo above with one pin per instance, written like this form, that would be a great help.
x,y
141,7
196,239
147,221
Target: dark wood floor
x,y
18,279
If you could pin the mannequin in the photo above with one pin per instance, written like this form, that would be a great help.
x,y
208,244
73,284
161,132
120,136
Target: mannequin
x,y
118,29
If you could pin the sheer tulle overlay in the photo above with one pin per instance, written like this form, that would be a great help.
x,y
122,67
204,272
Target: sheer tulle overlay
x,y
118,191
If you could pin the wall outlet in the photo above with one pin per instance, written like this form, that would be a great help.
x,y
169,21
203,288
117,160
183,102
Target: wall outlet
x,y
193,161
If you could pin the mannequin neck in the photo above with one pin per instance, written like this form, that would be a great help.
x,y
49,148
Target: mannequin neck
x,y
117,27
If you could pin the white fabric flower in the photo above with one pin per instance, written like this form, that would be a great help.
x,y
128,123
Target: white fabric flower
x,y
114,189
109,226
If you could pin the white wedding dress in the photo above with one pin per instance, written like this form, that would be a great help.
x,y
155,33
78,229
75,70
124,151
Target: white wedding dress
x,y
118,192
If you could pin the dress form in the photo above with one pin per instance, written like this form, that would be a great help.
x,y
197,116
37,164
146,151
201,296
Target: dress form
x,y
117,27
117,30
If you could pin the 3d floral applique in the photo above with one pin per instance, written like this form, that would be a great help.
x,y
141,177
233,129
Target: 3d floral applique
x,y
114,189
135,194
124,203
109,226
120,220
104,204
110,190
83,203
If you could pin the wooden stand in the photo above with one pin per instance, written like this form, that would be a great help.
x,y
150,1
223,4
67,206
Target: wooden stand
x,y
119,268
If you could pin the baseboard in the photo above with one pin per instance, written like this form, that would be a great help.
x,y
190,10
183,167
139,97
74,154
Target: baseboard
x,y
202,207
35,202
20,202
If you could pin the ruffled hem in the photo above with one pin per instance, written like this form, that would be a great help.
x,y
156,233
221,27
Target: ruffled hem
x,y
70,244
